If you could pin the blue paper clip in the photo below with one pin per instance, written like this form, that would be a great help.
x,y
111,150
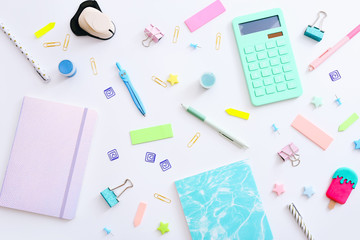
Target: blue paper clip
x,y
110,197
313,32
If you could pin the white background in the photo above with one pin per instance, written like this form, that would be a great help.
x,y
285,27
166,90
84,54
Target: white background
x,y
118,115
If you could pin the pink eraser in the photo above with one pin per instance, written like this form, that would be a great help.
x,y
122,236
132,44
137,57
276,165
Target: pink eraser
x,y
343,182
312,132
204,16
139,213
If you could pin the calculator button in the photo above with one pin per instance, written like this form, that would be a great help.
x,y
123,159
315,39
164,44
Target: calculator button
x,y
259,92
248,50
284,59
272,53
264,64
283,51
280,42
287,68
270,45
254,75
279,78
253,66
274,61
251,58
280,87
291,85
259,47
289,76
268,81
265,72
256,84
270,89
261,56
276,70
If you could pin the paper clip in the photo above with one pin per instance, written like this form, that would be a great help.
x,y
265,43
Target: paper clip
x,y
176,34
159,81
162,198
153,33
93,66
289,152
66,42
218,41
52,44
193,140
110,197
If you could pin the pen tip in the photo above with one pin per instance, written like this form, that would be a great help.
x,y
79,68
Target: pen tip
x,y
310,68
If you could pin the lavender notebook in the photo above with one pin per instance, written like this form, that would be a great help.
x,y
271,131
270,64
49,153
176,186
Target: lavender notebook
x,y
48,158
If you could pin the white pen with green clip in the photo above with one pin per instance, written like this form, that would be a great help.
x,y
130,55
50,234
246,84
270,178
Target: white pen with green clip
x,y
203,118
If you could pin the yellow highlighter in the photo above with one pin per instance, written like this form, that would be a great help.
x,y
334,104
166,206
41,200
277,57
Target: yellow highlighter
x,y
44,30
237,113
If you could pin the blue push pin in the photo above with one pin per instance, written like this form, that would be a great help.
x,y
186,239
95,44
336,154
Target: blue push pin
x,y
275,128
195,46
108,231
338,101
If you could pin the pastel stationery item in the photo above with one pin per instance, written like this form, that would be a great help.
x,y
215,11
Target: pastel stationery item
x,y
299,220
312,132
163,228
308,191
139,213
173,79
348,122
290,152
153,34
223,203
237,113
48,158
278,188
151,134
332,50
67,68
44,30
207,80
343,182
313,32
205,15
357,144
31,60
111,197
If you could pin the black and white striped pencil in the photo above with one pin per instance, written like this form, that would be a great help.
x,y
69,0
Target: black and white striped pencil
x,y
299,220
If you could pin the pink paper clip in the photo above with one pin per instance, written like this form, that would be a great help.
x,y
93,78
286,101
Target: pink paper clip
x,y
153,33
289,152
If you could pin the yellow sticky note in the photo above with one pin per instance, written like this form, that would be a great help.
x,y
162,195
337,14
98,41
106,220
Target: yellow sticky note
x,y
237,113
44,30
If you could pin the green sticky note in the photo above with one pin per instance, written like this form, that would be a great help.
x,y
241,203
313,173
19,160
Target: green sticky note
x,y
348,122
151,134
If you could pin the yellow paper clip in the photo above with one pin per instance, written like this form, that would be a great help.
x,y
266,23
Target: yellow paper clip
x,y
158,81
66,42
193,140
52,44
218,40
162,198
93,66
176,34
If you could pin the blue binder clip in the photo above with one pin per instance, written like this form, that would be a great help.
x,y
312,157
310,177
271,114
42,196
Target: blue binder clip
x,y
110,197
316,33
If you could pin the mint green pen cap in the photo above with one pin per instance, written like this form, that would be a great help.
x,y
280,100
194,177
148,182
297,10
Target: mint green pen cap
x,y
207,80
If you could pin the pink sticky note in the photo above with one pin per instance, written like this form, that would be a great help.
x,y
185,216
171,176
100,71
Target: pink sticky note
x,y
309,130
204,16
139,213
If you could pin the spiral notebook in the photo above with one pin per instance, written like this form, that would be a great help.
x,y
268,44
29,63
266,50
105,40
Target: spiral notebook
x,y
47,161
223,203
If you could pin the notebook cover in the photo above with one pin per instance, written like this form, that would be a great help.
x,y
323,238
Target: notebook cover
x,y
223,203
48,158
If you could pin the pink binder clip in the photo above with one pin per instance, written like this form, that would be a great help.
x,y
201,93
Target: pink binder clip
x,y
289,152
153,33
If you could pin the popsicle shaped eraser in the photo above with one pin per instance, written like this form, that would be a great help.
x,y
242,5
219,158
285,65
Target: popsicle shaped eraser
x,y
343,182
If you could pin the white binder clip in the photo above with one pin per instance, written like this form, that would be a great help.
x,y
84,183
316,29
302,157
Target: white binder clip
x,y
153,33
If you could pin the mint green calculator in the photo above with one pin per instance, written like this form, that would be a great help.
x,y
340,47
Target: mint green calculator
x,y
267,58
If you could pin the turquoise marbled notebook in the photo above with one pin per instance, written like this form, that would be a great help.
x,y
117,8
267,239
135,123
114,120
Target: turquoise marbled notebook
x,y
224,203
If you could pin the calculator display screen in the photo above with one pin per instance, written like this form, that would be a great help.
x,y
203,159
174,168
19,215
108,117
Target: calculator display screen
x,y
259,25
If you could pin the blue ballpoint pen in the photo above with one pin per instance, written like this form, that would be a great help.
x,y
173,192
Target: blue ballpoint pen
x,y
125,77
